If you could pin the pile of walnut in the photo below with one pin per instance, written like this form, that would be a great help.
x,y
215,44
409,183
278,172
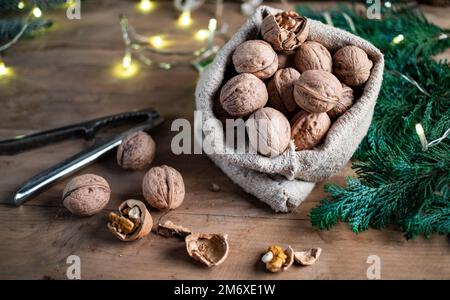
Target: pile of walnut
x,y
276,259
295,86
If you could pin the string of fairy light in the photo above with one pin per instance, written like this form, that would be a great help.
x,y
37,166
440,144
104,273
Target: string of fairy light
x,y
136,45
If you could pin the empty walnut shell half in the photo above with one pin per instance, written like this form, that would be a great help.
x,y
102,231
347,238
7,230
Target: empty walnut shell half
x,y
308,257
344,103
255,57
209,249
309,130
317,91
313,56
352,65
132,222
285,31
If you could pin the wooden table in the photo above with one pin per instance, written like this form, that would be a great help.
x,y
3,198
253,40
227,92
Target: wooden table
x,y
65,76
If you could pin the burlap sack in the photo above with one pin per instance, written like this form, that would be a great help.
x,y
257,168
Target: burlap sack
x,y
285,181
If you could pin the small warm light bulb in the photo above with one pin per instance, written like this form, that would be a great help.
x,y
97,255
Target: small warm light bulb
x,y
37,12
202,34
157,41
422,137
185,19
388,4
398,39
3,69
145,6
21,5
126,61
212,25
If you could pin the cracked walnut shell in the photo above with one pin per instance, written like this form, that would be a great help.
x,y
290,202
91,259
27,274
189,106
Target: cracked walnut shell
x,y
163,187
280,89
317,91
344,103
269,131
277,259
86,195
313,56
255,57
308,257
132,222
285,31
309,129
136,151
243,94
352,65
209,249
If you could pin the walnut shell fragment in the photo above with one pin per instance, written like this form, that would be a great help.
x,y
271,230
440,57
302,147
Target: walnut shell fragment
x,y
132,222
209,249
285,31
169,229
308,257
277,259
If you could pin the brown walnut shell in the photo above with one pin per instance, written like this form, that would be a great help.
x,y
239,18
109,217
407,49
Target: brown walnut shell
x,y
281,90
209,249
269,131
285,60
317,91
169,229
313,56
136,151
344,104
352,65
86,195
309,129
143,225
285,31
255,57
308,257
243,94
163,187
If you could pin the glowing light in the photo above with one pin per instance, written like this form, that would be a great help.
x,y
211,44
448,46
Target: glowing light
x,y
146,6
398,39
202,34
422,138
185,19
212,25
21,5
125,69
37,12
126,61
157,41
387,4
3,69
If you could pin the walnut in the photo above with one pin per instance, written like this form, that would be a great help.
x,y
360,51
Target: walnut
x,y
220,113
255,57
132,222
344,104
309,129
285,31
277,259
169,229
163,187
86,195
308,257
243,94
136,152
281,90
317,91
352,65
269,131
285,60
313,56
209,249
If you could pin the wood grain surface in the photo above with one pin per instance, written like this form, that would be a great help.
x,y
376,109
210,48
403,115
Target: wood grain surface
x,y
65,76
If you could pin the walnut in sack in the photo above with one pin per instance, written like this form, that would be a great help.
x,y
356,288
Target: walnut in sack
x,y
344,104
255,57
277,259
281,90
86,195
309,129
269,131
285,31
313,56
163,187
243,94
209,249
317,91
132,222
136,152
285,60
352,65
